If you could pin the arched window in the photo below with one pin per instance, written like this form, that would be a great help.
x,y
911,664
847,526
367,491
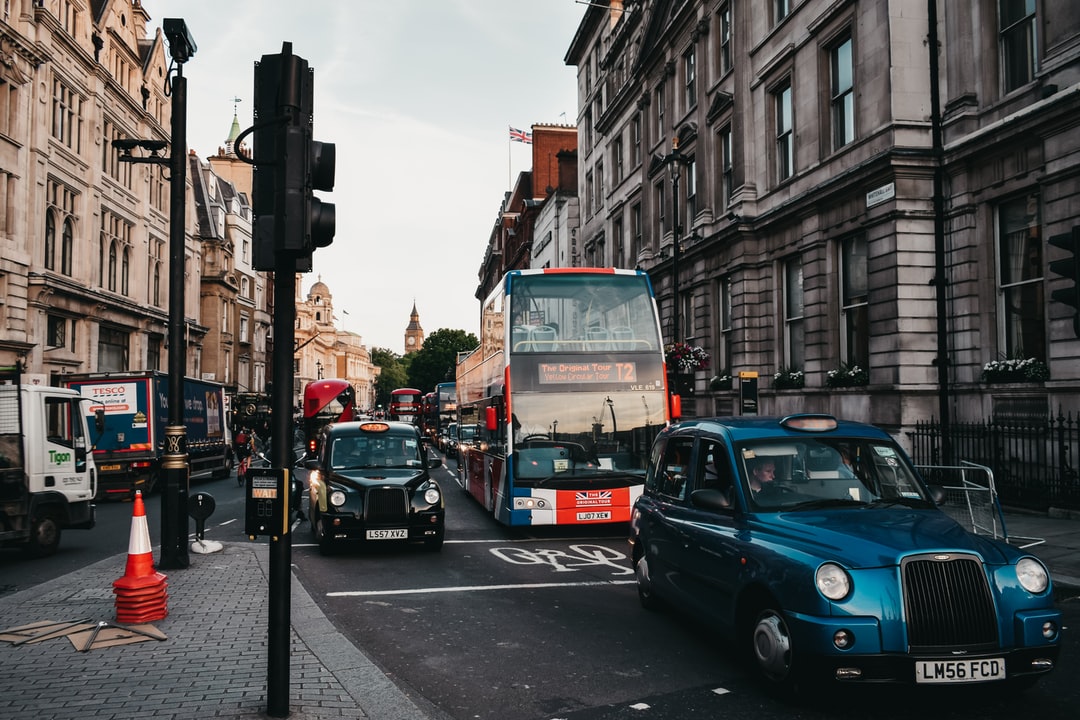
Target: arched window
x,y
50,241
112,266
125,264
66,246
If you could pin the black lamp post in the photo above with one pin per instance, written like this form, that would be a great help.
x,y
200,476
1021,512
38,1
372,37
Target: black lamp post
x,y
174,464
174,518
318,369
673,161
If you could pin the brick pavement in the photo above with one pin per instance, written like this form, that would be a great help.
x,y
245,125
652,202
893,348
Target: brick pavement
x,y
213,664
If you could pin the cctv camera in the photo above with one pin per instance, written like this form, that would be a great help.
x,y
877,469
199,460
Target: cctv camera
x,y
181,44
126,144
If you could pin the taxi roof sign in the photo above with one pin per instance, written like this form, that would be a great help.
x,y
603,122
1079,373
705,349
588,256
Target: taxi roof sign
x,y
809,423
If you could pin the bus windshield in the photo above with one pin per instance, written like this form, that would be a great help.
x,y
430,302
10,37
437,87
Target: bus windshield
x,y
563,312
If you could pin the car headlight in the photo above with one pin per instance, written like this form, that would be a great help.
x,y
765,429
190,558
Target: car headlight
x,y
431,495
337,498
1032,575
832,581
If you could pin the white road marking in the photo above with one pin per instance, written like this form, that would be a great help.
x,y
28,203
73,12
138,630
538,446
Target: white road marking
x,y
474,588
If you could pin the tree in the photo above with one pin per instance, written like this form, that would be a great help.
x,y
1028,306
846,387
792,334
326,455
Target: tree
x,y
436,361
393,374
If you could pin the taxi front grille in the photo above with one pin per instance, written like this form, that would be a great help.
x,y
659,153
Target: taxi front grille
x,y
947,603
386,504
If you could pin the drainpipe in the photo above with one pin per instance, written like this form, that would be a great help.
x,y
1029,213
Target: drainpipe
x,y
940,281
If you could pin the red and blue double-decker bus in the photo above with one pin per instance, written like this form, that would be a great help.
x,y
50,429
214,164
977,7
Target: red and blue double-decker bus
x,y
566,402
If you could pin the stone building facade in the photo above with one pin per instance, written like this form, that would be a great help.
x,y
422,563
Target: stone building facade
x,y
85,238
866,219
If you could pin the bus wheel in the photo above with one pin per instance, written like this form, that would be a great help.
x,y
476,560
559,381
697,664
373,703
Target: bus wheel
x,y
44,536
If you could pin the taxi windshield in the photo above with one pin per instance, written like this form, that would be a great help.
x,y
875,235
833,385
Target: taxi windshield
x,y
370,451
808,473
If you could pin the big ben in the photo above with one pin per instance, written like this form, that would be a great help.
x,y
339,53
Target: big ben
x,y
414,334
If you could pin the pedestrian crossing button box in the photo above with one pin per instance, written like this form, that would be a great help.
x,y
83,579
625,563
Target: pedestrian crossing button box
x,y
267,502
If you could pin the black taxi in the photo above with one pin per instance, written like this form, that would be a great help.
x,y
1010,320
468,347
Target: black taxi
x,y
369,482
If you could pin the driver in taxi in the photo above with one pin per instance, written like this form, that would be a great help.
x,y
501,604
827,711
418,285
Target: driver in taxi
x,y
763,473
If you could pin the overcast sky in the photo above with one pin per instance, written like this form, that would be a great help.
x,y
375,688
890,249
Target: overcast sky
x,y
417,95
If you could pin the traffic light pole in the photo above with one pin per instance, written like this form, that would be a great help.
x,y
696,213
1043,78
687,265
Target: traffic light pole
x,y
277,665
289,224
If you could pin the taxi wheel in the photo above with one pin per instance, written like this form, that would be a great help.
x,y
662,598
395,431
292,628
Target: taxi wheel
x,y
771,648
326,544
646,596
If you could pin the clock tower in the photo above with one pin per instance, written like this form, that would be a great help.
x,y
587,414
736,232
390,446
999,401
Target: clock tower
x,y
414,334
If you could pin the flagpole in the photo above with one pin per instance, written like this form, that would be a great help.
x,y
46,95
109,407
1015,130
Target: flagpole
x,y
509,172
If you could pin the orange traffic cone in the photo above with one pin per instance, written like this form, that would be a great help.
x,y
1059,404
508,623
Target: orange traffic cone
x,y
141,594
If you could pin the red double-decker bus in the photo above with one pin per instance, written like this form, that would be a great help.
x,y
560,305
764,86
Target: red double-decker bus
x,y
326,401
405,404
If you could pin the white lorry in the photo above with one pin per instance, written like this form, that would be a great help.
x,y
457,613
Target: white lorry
x,y
47,473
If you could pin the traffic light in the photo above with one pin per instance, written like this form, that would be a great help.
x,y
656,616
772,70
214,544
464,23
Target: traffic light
x,y
289,165
1069,268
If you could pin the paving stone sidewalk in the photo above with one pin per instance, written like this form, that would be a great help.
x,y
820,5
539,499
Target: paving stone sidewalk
x,y
213,664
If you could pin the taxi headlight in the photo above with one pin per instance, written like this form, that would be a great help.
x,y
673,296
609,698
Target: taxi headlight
x,y
832,581
431,495
1032,575
337,498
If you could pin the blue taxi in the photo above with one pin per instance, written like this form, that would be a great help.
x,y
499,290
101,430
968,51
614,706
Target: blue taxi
x,y
815,545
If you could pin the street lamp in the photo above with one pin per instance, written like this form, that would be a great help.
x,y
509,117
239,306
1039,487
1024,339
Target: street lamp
x,y
174,464
673,160
318,369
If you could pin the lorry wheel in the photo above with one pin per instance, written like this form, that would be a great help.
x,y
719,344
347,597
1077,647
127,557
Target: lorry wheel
x,y
44,536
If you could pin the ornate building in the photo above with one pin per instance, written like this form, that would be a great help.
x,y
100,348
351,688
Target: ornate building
x,y
323,351
844,210
83,236
414,334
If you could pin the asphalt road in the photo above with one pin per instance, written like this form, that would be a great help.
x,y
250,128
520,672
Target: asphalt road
x,y
536,625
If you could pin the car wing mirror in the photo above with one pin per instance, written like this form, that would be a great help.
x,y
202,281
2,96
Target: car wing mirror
x,y
710,499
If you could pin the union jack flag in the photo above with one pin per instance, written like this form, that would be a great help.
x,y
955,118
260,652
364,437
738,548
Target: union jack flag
x,y
592,495
522,136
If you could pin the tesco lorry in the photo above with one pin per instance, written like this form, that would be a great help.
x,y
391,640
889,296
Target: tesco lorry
x,y
47,473
135,406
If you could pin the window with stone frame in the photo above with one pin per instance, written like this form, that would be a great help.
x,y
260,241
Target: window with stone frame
x,y
783,131
854,305
1017,39
1022,320
725,330
691,194
690,78
66,115
113,349
727,167
842,92
794,328
617,168
725,53
781,9
60,217
60,332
